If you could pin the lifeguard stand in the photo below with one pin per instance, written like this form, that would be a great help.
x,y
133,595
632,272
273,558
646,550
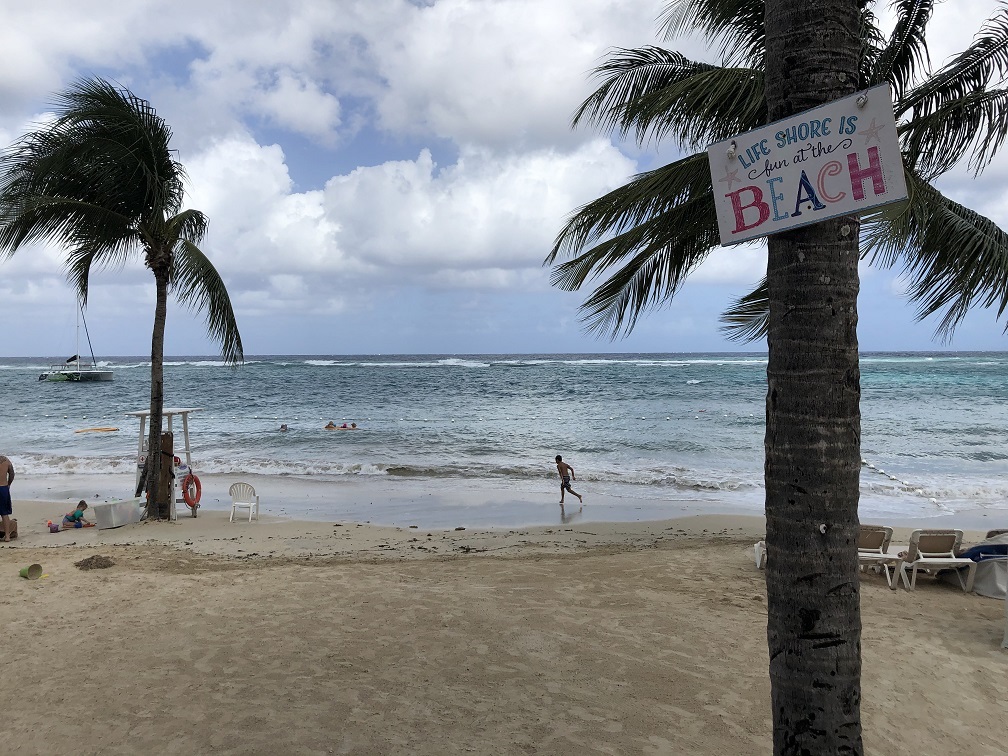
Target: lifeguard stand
x,y
186,449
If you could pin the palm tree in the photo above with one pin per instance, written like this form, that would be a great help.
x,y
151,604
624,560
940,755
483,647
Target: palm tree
x,y
649,234
643,239
813,423
101,180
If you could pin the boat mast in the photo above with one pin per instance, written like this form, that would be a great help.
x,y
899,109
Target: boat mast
x,y
94,362
80,309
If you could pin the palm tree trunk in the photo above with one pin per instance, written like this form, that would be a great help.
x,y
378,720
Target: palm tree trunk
x,y
157,396
813,431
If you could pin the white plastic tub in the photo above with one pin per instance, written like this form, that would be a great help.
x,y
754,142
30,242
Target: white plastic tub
x,y
118,513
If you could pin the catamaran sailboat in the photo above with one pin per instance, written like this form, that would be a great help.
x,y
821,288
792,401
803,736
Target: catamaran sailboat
x,y
74,369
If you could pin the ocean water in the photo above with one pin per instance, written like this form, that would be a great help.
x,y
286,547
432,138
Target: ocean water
x,y
655,428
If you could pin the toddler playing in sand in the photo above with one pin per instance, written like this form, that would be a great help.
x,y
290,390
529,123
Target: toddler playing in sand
x,y
70,519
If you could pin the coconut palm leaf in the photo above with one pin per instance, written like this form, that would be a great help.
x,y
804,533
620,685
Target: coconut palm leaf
x,y
657,228
658,94
47,190
906,51
748,318
962,80
872,44
125,144
976,123
953,257
198,285
734,26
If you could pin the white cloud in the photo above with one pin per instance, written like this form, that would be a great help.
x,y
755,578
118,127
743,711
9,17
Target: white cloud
x,y
501,74
485,221
484,211
741,264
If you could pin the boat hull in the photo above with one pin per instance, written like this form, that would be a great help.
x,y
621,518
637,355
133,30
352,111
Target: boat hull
x,y
76,376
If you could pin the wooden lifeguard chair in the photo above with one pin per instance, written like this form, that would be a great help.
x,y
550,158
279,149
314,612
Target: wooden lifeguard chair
x,y
179,471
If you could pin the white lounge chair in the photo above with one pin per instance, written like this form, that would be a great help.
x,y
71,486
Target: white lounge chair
x,y
243,496
873,545
932,551
873,550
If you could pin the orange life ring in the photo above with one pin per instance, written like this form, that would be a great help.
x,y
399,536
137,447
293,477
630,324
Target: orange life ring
x,y
190,484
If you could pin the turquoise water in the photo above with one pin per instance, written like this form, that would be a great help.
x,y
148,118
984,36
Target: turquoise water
x,y
649,427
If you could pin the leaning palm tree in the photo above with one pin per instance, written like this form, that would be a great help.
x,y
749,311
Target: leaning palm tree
x,y
643,239
101,181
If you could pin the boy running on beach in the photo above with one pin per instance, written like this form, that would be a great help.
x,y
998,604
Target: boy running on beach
x,y
566,476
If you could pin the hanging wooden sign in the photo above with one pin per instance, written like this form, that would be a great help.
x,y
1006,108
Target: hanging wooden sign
x,y
837,159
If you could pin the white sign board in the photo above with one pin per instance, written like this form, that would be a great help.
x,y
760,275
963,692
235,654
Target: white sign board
x,y
838,159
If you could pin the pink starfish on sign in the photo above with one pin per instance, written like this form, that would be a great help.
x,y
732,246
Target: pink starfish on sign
x,y
731,177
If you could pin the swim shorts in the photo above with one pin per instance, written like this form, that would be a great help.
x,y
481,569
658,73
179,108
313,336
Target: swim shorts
x,y
566,482
5,501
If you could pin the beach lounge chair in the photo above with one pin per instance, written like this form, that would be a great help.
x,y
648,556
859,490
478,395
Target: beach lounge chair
x,y
243,496
873,548
873,545
932,551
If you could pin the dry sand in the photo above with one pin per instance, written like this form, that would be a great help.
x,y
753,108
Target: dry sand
x,y
292,637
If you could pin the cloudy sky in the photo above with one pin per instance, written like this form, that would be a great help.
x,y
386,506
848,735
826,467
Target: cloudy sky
x,y
384,176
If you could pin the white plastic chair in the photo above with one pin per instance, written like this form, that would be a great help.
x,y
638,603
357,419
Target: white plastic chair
x,y
932,551
243,496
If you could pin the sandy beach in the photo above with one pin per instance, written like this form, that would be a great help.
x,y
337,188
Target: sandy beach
x,y
282,636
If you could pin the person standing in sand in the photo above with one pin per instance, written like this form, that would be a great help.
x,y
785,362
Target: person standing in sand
x,y
6,508
566,473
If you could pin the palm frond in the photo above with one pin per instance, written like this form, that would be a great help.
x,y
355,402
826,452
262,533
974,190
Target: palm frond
x,y
84,254
197,284
123,132
748,319
658,93
966,76
976,123
189,225
734,26
657,227
46,193
906,51
78,273
953,257
93,176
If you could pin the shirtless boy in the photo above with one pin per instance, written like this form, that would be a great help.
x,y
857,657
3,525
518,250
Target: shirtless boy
x,y
6,477
566,476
